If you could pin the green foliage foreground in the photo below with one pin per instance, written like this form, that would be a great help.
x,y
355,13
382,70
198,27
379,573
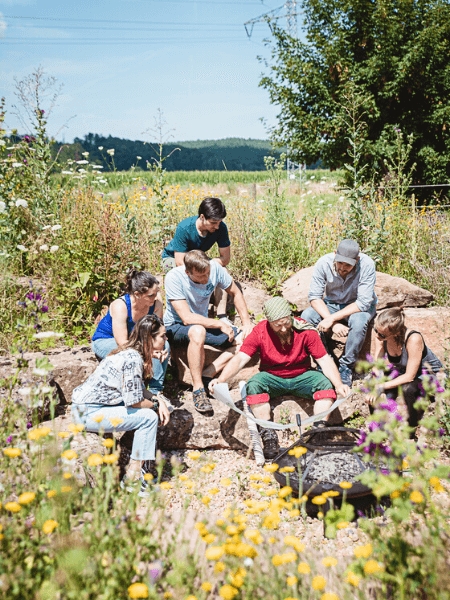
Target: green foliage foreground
x,y
62,538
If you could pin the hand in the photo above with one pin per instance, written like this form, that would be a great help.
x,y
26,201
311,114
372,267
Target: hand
x,y
343,390
246,329
163,412
160,355
370,398
212,384
228,330
340,329
326,324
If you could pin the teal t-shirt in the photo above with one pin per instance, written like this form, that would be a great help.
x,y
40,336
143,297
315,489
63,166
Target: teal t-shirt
x,y
188,238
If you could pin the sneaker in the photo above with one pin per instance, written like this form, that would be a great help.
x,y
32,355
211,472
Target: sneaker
x,y
270,442
346,375
141,482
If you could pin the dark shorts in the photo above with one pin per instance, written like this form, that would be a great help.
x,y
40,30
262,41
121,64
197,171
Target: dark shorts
x,y
178,334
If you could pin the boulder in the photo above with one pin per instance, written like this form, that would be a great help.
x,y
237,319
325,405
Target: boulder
x,y
255,298
391,291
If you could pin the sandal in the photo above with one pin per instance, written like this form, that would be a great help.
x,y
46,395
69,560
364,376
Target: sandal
x,y
201,401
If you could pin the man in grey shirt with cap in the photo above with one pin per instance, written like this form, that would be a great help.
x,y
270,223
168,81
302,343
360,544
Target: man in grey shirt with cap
x,y
343,300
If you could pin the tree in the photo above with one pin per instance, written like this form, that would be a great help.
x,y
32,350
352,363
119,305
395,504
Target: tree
x,y
394,53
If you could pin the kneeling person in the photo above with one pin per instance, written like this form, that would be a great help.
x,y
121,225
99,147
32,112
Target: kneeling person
x,y
286,346
188,289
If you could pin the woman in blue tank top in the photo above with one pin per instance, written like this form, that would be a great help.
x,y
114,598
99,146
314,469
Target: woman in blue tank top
x,y
407,351
114,329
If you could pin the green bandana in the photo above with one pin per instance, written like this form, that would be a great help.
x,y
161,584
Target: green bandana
x,y
279,308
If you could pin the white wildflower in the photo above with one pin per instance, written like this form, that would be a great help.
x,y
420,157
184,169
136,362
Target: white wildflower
x,y
45,389
110,152
17,165
54,249
25,391
97,166
22,202
46,227
66,172
100,147
44,248
292,176
42,335
2,143
82,171
2,206
39,372
321,201
341,198
139,157
330,204
82,162
56,227
21,248
309,192
312,177
85,154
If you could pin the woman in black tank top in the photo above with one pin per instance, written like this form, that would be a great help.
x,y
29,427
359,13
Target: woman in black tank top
x,y
409,354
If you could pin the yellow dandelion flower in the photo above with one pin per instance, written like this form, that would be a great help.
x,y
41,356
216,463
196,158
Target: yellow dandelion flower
x,y
287,469
206,586
51,493
254,536
166,485
436,483
228,592
209,538
206,500
213,492
148,477
372,566
363,551
352,579
292,580
115,421
49,526
13,506
231,530
345,485
329,596
63,434
318,582
12,452
319,500
94,460
27,497
416,497
329,561
75,428
271,468
225,482
291,540
285,491
66,489
395,494
214,552
69,454
298,451
67,475
219,567
194,455
138,590
342,525
98,418
108,443
303,568
220,522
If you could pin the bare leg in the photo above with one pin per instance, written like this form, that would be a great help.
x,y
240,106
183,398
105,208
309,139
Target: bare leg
x,y
134,468
218,364
196,354
262,411
322,406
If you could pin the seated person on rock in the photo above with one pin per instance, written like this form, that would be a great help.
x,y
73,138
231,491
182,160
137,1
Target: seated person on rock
x,y
116,326
343,300
286,346
113,398
201,233
411,358
188,289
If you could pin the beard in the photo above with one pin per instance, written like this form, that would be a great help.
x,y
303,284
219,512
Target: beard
x,y
285,338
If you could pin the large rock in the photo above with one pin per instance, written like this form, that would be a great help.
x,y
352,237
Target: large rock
x,y
391,291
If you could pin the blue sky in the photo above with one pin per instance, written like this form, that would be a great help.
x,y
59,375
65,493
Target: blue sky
x,y
121,60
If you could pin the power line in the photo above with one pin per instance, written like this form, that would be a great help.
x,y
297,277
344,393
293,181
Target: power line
x,y
131,41
199,25
127,22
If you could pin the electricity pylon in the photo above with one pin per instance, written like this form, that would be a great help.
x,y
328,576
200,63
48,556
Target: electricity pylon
x,y
290,7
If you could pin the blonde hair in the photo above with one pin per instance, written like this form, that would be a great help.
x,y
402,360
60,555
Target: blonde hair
x,y
393,319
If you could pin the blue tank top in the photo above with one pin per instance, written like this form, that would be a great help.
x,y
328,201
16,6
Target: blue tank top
x,y
104,328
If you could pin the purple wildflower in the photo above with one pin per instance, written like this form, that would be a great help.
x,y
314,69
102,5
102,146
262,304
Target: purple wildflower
x,y
29,425
9,439
44,309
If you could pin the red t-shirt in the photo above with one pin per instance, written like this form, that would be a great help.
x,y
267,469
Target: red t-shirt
x,y
288,361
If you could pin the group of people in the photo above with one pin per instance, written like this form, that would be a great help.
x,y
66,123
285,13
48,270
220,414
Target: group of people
x,y
133,340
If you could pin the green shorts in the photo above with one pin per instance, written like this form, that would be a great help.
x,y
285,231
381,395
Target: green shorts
x,y
311,384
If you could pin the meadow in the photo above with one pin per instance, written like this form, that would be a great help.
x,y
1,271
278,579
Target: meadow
x,y
73,234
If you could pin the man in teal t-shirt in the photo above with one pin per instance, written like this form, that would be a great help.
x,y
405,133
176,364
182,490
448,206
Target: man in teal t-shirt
x,y
201,233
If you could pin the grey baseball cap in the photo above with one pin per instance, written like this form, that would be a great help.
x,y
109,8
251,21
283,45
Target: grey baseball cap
x,y
348,252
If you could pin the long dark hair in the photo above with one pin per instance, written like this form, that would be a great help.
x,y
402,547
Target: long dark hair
x,y
394,320
141,340
139,281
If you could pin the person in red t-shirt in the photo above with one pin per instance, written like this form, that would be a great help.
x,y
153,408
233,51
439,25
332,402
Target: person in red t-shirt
x,y
286,346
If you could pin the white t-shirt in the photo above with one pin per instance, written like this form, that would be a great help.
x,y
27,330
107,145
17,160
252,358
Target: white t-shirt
x,y
178,286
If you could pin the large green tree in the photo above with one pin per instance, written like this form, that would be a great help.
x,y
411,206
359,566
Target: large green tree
x,y
384,62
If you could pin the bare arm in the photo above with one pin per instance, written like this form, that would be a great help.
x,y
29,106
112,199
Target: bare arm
x,y
241,307
159,308
119,313
225,255
330,370
179,258
237,363
190,318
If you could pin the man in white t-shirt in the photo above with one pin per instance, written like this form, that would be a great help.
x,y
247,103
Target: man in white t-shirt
x,y
188,289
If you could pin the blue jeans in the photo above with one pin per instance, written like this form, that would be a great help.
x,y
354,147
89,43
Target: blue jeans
x,y
143,421
102,347
358,324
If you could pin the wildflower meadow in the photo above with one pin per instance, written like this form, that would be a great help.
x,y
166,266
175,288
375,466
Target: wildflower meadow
x,y
68,531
